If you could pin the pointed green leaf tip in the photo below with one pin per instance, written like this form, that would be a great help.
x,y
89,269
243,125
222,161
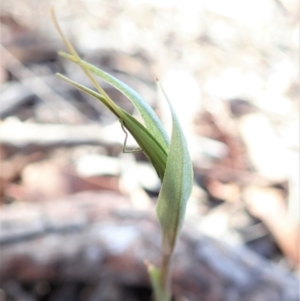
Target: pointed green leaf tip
x,y
148,143
152,122
176,186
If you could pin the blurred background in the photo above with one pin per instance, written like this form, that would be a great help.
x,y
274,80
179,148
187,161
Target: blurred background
x,y
78,215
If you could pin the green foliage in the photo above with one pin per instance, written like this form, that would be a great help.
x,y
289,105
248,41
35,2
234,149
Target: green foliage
x,y
160,293
171,160
154,151
176,186
152,122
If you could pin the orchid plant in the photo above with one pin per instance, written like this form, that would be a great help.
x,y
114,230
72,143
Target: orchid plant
x,y
169,157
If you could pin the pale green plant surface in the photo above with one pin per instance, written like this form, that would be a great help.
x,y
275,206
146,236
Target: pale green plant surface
x,y
171,160
152,122
174,194
160,292
151,147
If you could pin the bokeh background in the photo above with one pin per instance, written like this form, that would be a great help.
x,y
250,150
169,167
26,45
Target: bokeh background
x,y
78,215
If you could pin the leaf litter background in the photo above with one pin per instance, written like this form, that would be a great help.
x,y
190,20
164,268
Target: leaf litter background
x,y
77,216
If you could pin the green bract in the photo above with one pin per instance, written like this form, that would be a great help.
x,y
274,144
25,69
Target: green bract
x,y
176,186
153,138
170,158
151,120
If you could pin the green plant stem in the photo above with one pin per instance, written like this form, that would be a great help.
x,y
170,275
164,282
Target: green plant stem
x,y
165,275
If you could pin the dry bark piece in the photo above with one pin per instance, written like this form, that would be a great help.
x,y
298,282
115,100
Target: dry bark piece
x,y
48,135
268,205
39,87
11,169
13,96
59,180
89,236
